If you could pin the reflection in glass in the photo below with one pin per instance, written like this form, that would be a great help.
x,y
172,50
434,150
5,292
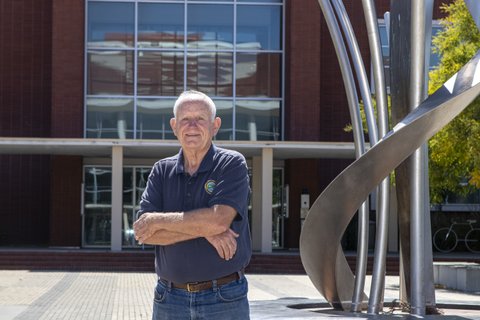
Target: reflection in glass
x,y
135,180
210,26
160,25
98,199
225,112
128,192
98,204
160,73
109,118
128,237
383,38
258,27
110,72
258,75
278,217
153,118
210,72
110,24
263,1
141,73
257,120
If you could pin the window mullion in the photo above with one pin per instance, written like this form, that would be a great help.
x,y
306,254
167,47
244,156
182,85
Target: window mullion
x,y
234,71
185,60
135,69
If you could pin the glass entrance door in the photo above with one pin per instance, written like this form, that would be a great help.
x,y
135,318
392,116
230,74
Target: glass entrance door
x,y
97,204
134,183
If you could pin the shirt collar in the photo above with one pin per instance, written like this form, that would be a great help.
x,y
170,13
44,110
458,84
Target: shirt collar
x,y
207,161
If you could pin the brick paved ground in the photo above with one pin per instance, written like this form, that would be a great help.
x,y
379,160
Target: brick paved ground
x,y
40,295
73,295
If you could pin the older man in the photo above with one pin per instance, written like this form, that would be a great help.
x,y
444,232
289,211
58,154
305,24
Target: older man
x,y
194,210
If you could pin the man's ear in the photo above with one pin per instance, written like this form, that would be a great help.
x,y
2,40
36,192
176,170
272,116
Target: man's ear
x,y
173,122
217,123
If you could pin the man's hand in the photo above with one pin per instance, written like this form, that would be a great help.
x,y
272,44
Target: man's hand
x,y
225,243
144,227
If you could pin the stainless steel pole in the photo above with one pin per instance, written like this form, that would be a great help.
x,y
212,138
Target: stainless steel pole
x,y
363,215
357,127
378,275
347,76
417,92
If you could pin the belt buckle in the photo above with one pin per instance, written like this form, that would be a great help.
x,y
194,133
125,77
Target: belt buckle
x,y
191,286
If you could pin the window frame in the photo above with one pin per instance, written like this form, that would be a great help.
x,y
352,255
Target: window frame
x,y
186,51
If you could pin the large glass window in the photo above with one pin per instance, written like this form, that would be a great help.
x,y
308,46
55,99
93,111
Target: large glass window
x,y
141,54
210,26
110,24
153,119
258,120
110,72
160,25
258,75
258,27
109,117
211,73
160,73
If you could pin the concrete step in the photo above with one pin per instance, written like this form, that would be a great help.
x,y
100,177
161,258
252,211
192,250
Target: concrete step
x,y
463,276
102,260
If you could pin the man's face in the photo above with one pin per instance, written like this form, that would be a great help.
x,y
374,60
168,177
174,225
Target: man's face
x,y
194,127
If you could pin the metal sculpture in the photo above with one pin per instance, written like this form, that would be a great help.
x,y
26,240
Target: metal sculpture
x,y
328,218
409,57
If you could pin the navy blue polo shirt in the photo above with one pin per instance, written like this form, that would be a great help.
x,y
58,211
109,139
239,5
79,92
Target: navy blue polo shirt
x,y
222,178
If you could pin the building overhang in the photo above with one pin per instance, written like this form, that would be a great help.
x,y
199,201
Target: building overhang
x,y
162,148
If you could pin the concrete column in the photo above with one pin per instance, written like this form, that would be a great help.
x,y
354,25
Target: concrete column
x,y
257,203
267,198
117,198
262,172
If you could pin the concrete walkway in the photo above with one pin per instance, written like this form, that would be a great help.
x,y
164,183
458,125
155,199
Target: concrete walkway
x,y
113,295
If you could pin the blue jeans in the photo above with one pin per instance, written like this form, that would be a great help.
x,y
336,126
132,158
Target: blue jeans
x,y
226,302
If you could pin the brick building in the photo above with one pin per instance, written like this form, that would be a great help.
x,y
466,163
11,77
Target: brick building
x,y
86,90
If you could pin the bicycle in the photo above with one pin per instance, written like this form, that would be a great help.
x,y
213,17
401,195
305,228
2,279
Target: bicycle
x,y
446,239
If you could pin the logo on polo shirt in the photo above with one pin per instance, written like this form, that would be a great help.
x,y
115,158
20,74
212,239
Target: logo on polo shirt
x,y
210,186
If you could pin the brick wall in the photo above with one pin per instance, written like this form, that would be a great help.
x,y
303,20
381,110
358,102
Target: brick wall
x,y
24,196
25,63
41,95
68,40
67,119
298,180
302,80
314,85
25,92
65,195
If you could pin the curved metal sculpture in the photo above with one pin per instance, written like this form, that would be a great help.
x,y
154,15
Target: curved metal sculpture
x,y
357,126
320,250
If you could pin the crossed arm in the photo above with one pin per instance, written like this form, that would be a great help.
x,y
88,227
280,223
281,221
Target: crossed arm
x,y
167,228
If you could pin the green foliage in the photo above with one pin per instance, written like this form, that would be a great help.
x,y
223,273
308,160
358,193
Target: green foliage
x,y
455,150
348,127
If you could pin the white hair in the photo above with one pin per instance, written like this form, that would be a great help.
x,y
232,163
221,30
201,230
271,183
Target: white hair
x,y
194,96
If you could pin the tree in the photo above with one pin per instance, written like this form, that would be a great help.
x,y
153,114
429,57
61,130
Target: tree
x,y
455,150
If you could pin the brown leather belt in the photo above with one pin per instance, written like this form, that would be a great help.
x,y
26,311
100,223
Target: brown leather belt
x,y
203,285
